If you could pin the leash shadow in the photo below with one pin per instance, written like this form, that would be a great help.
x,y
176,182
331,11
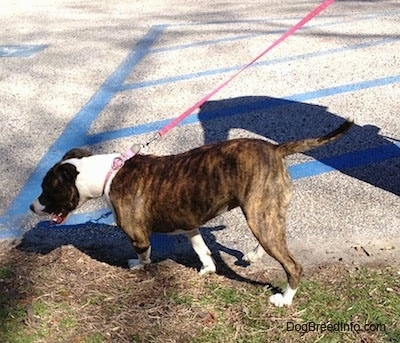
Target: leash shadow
x,y
365,154
108,244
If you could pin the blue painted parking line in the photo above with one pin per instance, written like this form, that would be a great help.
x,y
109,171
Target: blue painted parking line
x,y
20,50
263,33
242,109
351,87
76,132
287,59
212,72
352,160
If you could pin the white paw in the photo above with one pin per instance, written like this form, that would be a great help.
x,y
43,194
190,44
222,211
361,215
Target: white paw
x,y
254,255
207,269
277,300
135,264
251,257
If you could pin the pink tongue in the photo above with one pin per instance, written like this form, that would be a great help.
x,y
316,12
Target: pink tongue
x,y
56,218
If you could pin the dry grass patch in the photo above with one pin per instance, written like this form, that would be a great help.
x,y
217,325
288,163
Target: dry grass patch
x,y
69,297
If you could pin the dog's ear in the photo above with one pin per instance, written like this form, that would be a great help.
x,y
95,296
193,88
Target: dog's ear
x,y
76,153
68,172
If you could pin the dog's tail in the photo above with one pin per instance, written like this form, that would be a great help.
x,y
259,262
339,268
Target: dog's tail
x,y
312,143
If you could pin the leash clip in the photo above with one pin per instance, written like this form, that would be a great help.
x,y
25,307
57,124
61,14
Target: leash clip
x,y
152,139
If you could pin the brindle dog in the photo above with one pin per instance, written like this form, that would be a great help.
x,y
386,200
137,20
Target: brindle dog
x,y
179,193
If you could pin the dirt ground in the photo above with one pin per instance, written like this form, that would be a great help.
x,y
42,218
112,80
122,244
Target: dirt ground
x,y
107,297
91,282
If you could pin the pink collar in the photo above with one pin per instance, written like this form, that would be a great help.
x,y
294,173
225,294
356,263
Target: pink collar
x,y
119,161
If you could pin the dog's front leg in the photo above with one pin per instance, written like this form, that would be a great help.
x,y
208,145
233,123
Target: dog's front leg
x,y
202,251
141,244
141,261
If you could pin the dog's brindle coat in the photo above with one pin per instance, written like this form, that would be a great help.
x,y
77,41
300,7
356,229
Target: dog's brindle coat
x,y
179,193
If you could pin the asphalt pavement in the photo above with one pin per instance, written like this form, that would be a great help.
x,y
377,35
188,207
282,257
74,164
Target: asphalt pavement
x,y
105,75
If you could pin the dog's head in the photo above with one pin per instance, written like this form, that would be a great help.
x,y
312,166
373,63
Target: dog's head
x,y
60,195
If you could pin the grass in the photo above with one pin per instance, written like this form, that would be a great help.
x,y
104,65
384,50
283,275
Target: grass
x,y
5,272
365,304
71,298
358,306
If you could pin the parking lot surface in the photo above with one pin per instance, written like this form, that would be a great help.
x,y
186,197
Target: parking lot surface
x,y
105,75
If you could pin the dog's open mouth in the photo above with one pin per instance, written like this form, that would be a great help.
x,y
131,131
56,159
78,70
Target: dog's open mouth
x,y
58,218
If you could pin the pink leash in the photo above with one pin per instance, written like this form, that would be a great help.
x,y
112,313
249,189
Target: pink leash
x,y
292,30
120,161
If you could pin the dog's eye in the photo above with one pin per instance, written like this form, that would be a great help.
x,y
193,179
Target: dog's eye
x,y
43,199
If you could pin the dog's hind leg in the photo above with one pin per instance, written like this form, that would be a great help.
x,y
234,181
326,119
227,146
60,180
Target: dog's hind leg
x,y
269,229
202,251
274,243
